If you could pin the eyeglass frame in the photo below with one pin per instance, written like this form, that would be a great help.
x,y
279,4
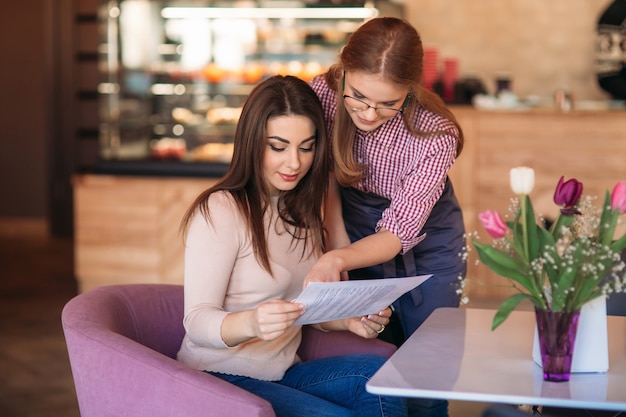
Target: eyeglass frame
x,y
400,110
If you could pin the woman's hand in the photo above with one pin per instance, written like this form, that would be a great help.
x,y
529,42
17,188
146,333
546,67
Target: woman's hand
x,y
271,319
367,326
266,322
370,250
370,326
326,269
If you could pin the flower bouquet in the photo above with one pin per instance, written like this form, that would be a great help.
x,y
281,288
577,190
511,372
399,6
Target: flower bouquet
x,y
559,266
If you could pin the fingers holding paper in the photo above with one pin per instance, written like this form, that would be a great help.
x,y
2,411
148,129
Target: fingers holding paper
x,y
266,322
370,326
274,317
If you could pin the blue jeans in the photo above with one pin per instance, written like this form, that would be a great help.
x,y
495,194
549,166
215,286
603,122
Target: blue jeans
x,y
426,407
330,387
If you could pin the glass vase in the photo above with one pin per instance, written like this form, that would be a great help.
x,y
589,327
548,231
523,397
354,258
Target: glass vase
x,y
557,336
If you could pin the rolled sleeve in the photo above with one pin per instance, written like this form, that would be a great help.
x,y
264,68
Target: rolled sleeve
x,y
417,192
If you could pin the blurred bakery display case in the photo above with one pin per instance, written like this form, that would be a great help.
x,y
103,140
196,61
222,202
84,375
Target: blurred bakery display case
x,y
175,74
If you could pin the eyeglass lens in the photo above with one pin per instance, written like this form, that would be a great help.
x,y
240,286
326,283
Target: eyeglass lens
x,y
359,105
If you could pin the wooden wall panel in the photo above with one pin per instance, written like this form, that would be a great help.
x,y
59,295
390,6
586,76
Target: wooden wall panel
x,y
588,146
127,228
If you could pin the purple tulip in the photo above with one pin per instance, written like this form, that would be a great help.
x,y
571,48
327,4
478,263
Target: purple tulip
x,y
493,223
618,197
567,195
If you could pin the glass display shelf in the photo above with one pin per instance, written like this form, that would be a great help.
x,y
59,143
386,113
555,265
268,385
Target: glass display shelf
x,y
175,74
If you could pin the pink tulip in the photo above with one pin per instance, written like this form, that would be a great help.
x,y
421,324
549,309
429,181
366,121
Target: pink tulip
x,y
618,197
493,223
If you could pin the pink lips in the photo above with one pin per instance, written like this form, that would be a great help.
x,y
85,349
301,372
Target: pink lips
x,y
367,122
289,178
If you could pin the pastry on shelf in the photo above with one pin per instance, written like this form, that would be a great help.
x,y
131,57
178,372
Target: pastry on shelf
x,y
213,152
221,115
168,148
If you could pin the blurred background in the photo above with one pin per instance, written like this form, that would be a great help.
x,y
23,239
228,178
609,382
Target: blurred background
x,y
115,114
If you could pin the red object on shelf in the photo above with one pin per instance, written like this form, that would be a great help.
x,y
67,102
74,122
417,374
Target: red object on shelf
x,y
430,69
450,76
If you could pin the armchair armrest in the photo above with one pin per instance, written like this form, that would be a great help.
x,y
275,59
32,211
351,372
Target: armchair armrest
x,y
317,344
125,378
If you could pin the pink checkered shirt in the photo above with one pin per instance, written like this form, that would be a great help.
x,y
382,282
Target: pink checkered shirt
x,y
409,171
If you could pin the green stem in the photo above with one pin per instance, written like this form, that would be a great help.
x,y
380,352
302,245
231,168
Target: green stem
x,y
525,228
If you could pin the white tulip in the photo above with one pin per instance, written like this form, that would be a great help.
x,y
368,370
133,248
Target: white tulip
x,y
522,180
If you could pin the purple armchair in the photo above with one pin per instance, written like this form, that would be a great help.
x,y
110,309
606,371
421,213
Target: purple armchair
x,y
122,342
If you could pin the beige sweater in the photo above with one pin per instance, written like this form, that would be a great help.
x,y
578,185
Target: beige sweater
x,y
222,275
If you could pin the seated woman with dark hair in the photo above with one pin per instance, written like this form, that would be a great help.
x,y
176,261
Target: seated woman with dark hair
x,y
249,242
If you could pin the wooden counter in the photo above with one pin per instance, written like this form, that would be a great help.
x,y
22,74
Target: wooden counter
x,y
126,227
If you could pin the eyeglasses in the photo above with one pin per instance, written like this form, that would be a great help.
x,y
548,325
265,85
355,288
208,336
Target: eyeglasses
x,y
360,106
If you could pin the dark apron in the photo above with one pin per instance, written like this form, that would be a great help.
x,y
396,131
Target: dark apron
x,y
438,254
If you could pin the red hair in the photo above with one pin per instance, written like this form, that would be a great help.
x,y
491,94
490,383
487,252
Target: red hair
x,y
391,47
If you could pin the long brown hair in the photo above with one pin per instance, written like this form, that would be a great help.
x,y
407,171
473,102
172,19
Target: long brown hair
x,y
300,207
391,47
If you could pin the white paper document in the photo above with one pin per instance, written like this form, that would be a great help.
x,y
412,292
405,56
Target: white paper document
x,y
327,301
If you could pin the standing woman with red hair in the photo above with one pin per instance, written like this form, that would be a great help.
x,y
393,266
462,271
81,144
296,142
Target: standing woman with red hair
x,y
393,211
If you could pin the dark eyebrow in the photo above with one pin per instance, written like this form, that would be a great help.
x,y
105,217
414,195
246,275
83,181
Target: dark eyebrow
x,y
357,92
278,138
